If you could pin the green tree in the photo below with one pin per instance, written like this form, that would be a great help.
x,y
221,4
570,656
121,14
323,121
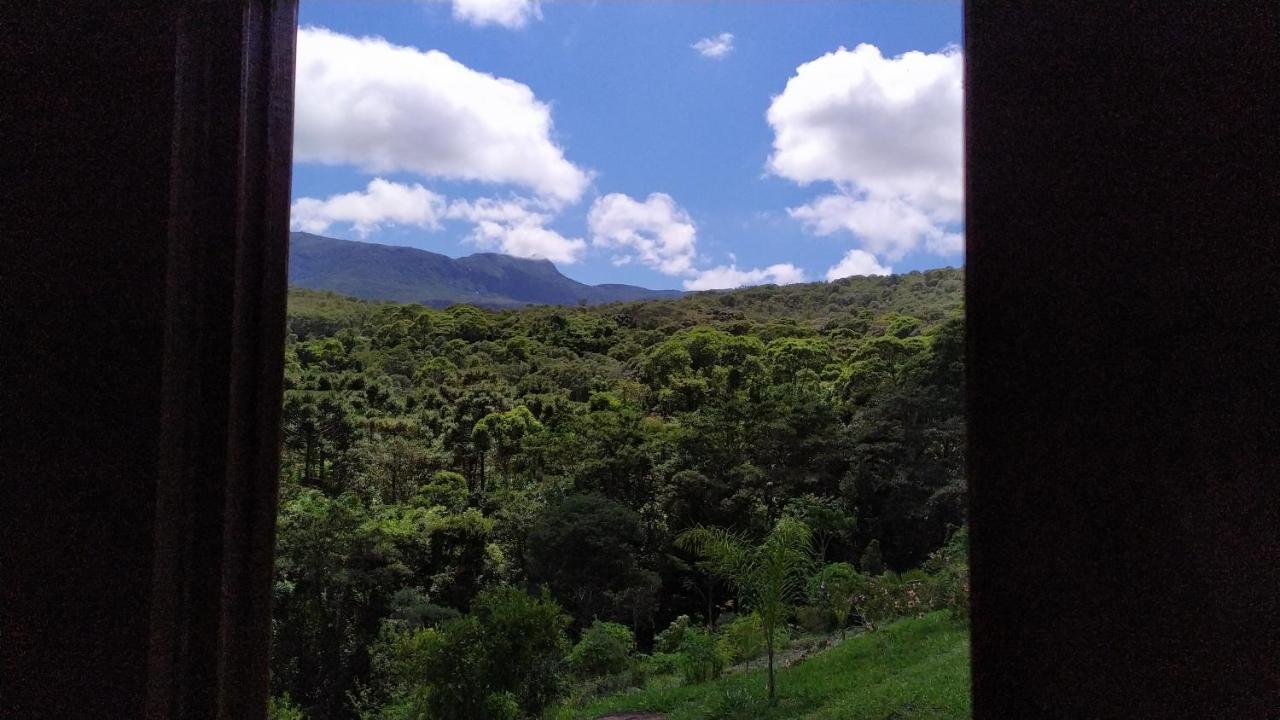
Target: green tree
x,y
768,575
837,587
825,516
500,662
604,649
586,550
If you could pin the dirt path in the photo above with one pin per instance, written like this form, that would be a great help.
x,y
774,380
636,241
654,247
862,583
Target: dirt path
x,y
633,716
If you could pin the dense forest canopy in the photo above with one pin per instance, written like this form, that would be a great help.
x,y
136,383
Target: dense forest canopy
x,y
437,459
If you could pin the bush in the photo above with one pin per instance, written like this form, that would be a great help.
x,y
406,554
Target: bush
x,y
838,589
949,584
893,596
814,619
743,638
500,662
949,590
700,657
735,704
283,708
659,664
604,649
668,641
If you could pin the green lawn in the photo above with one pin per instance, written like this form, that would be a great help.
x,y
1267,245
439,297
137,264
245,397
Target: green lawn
x,y
916,668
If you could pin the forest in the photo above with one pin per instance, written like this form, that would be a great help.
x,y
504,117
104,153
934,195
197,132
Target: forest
x,y
489,514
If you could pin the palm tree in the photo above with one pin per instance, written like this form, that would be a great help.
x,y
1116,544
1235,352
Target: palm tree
x,y
767,576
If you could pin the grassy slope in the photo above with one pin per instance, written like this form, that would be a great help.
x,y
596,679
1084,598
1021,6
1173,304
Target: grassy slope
x,y
915,668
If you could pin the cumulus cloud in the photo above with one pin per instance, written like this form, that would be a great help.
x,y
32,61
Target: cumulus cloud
x,y
857,262
891,227
656,232
715,47
888,133
729,276
381,203
385,108
512,14
660,234
516,227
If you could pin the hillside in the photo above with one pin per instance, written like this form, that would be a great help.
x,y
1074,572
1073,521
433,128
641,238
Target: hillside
x,y
914,669
455,478
855,304
382,272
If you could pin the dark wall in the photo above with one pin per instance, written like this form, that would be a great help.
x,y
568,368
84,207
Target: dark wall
x,y
87,136
1124,394
146,151
1122,266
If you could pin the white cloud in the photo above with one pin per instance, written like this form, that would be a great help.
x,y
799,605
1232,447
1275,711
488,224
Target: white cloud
x,y
857,262
891,227
385,108
381,203
947,244
888,133
657,232
715,47
660,234
729,276
512,14
516,227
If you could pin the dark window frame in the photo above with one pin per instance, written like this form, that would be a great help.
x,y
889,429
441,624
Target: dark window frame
x,y
1123,437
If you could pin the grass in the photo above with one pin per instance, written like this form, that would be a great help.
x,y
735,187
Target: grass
x,y
914,669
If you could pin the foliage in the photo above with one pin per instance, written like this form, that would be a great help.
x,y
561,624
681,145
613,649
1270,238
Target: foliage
x,y
912,668
826,516
838,588
500,662
768,575
431,455
814,618
586,550
605,648
283,708
699,657
743,638
668,641
949,575
892,596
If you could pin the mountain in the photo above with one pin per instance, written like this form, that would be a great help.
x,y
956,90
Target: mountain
x,y
383,272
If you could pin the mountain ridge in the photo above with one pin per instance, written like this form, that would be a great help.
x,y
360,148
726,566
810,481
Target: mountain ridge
x,y
403,274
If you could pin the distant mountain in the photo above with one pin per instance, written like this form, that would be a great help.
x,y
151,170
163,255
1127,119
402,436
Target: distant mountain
x,y
382,272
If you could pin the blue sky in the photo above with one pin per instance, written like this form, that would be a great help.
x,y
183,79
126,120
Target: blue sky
x,y
603,136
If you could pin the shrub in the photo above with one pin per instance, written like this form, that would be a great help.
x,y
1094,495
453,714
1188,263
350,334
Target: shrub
x,y
838,589
498,663
668,641
283,708
893,596
744,639
700,657
661,663
604,649
735,704
949,584
814,619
